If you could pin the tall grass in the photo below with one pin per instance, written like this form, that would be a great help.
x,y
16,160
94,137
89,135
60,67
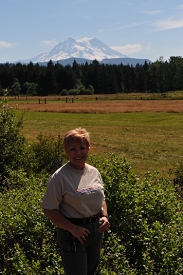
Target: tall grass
x,y
150,141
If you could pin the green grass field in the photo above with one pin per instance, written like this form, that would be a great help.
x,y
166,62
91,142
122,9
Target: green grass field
x,y
149,141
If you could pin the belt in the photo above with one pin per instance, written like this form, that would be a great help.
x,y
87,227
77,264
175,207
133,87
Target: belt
x,y
88,220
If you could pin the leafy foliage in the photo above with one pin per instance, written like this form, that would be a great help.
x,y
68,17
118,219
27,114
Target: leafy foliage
x,y
46,155
27,242
145,236
43,156
146,222
12,143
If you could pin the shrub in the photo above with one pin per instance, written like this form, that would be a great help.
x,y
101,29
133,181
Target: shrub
x,y
12,143
145,236
73,92
27,242
63,92
146,222
45,156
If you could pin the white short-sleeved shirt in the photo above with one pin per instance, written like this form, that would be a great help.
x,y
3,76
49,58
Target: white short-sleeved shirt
x,y
75,193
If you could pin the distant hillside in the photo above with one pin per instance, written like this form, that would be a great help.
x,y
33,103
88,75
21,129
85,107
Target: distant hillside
x,y
113,61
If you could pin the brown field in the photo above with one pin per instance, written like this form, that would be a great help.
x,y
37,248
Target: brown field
x,y
97,106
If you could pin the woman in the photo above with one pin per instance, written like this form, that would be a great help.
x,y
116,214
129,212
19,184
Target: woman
x,y
74,201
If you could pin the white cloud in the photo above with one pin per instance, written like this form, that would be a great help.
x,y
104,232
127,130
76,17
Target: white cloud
x,y
131,25
153,12
128,48
168,24
50,43
180,7
4,44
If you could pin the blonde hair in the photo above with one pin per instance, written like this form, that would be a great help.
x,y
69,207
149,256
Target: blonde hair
x,y
77,134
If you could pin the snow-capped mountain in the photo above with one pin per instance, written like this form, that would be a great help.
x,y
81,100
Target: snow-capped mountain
x,y
85,48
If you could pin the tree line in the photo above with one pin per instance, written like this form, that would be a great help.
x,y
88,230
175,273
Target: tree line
x,y
93,78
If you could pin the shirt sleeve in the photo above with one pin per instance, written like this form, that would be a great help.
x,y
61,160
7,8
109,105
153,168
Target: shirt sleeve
x,y
53,195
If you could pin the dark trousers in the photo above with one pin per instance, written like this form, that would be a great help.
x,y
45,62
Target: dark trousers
x,y
77,258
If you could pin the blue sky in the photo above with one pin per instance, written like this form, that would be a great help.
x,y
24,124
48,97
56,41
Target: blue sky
x,y
136,28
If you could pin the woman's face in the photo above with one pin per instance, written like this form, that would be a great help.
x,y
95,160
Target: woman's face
x,y
77,152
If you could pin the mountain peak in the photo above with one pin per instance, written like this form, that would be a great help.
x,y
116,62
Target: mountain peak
x,y
87,48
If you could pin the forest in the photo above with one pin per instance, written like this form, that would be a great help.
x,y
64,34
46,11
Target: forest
x,y
94,78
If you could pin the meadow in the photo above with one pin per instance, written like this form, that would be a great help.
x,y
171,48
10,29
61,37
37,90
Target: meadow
x,y
144,128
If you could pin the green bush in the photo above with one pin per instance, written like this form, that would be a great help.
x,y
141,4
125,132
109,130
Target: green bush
x,y
73,92
145,236
45,156
63,92
27,238
146,222
12,143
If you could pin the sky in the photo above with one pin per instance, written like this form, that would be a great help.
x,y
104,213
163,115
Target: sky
x,y
150,29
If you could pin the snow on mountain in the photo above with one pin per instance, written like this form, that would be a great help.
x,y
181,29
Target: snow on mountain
x,y
86,48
